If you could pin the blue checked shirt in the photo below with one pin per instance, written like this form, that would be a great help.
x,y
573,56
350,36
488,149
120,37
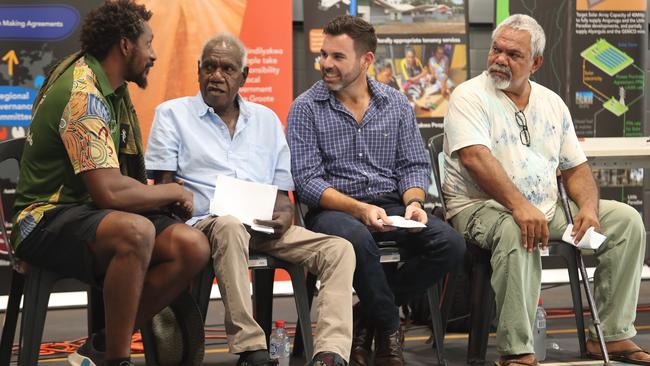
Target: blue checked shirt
x,y
383,154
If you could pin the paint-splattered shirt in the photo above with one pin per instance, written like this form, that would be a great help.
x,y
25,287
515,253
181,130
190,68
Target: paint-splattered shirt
x,y
480,114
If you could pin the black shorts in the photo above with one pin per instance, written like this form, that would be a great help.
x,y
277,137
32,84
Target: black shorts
x,y
60,241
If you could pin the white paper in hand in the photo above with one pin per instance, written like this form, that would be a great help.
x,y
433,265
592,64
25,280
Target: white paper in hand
x,y
244,200
401,222
591,239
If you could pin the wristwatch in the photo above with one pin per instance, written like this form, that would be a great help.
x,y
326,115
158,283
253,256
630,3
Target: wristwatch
x,y
418,200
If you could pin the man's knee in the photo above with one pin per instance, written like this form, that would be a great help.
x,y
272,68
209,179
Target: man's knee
x,y
455,248
228,233
228,222
339,253
129,234
193,247
507,236
347,227
444,242
621,212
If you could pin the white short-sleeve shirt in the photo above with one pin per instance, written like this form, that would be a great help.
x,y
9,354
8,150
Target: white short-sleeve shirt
x,y
480,114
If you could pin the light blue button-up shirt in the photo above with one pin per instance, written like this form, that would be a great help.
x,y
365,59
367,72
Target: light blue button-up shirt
x,y
188,138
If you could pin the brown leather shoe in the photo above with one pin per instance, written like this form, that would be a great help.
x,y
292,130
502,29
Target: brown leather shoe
x,y
362,334
389,349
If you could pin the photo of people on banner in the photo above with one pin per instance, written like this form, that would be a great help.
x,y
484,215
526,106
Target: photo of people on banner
x,y
421,51
425,73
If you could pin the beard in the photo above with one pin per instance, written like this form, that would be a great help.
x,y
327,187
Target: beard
x,y
498,81
138,77
344,80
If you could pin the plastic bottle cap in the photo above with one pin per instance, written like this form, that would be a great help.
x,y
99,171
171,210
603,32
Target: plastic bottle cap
x,y
279,323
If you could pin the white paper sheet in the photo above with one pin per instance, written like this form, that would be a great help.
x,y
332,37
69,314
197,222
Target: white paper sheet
x,y
401,222
246,201
591,239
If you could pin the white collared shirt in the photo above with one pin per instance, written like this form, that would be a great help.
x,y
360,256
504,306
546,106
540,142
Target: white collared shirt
x,y
187,137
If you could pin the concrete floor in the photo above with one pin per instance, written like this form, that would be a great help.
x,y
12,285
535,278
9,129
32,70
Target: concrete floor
x,y
70,324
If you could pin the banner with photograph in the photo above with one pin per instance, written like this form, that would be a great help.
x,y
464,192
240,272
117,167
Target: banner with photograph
x,y
180,30
316,14
422,51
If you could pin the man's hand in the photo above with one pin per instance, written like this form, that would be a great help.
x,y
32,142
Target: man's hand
x,y
280,222
415,212
185,207
370,216
533,225
582,221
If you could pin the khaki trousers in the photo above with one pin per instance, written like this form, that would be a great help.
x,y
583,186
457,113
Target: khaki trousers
x,y
516,273
330,257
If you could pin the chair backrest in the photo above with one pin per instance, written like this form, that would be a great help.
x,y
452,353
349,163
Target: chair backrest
x,y
435,146
9,150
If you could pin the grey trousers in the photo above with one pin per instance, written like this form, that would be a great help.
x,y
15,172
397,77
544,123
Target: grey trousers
x,y
516,273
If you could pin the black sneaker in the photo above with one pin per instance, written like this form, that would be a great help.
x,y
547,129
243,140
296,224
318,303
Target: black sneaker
x,y
258,357
87,355
328,359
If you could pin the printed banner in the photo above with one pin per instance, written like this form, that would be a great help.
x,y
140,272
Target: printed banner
x,y
422,51
317,13
180,30
608,67
33,36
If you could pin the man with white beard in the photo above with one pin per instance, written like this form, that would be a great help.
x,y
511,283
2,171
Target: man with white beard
x,y
506,136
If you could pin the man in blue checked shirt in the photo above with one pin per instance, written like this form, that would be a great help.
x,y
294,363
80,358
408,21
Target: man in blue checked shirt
x,y
216,132
357,158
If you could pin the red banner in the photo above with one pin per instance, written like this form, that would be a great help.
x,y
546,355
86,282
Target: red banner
x,y
180,30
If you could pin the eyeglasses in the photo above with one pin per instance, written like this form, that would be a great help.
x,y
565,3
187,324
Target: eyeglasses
x,y
524,135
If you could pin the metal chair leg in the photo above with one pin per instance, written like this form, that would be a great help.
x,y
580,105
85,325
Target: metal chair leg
x,y
297,274
298,345
481,310
38,284
11,317
201,288
438,330
567,252
149,345
263,299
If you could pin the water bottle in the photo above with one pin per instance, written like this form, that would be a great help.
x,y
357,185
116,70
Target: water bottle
x,y
279,344
539,332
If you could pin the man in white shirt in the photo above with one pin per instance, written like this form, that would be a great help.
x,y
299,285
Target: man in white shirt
x,y
216,132
506,136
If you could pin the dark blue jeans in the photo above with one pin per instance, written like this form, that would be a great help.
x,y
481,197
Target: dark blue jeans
x,y
429,255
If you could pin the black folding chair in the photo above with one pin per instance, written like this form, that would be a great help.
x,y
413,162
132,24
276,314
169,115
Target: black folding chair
x,y
35,284
482,303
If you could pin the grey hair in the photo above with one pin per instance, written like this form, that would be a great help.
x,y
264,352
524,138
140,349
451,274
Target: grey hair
x,y
528,24
227,40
